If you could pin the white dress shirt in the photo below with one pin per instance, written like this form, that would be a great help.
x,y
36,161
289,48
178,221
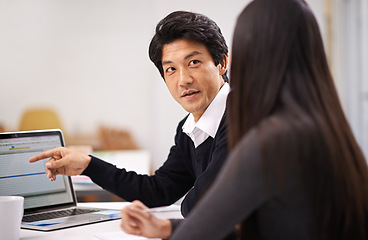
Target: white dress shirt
x,y
209,122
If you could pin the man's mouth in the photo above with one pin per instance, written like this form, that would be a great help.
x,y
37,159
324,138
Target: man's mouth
x,y
189,93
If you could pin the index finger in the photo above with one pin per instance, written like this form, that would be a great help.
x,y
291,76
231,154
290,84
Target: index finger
x,y
135,206
138,213
46,154
139,204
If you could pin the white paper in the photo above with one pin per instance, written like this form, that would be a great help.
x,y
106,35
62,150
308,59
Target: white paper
x,y
120,236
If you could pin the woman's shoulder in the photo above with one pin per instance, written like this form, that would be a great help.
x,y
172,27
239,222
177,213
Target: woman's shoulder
x,y
279,134
267,131
287,128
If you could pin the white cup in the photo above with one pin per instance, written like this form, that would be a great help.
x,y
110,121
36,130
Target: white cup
x,y
11,213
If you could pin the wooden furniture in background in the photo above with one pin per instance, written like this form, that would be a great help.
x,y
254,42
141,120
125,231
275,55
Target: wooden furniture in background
x,y
116,139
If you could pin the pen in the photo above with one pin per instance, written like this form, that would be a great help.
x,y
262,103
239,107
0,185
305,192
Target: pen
x,y
160,210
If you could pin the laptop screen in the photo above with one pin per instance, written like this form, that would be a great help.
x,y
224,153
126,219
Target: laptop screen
x,y
19,177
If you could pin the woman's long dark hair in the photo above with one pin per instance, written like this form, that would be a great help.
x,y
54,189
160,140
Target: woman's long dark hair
x,y
279,68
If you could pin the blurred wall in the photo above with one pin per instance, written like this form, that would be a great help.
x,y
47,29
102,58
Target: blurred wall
x,y
88,60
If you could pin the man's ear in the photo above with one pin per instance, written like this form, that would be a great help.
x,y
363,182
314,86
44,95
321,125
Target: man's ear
x,y
223,65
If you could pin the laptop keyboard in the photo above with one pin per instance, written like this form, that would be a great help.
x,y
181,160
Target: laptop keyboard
x,y
56,214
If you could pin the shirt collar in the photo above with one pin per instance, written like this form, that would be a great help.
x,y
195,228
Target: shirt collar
x,y
211,118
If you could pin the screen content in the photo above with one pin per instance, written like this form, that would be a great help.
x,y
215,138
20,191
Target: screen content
x,y
19,177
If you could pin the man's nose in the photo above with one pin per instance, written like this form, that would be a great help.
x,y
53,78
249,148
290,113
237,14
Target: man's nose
x,y
185,77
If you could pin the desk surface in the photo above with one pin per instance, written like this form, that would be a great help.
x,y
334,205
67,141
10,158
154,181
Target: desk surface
x,y
88,232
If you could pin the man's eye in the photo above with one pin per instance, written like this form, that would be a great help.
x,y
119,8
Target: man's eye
x,y
170,69
193,62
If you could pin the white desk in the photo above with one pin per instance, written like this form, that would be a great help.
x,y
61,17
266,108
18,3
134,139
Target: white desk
x,y
88,232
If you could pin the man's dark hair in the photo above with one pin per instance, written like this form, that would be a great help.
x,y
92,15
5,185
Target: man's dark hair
x,y
191,26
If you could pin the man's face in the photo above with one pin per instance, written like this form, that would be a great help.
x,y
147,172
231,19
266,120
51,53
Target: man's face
x,y
191,75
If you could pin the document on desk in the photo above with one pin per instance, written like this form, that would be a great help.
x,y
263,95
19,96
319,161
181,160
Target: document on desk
x,y
120,236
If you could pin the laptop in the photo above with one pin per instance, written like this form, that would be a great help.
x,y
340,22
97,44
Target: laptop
x,y
48,205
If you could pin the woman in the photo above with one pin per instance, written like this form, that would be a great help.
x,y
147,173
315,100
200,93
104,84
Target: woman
x,y
295,169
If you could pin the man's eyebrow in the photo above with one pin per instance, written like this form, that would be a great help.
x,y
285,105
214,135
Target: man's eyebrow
x,y
192,54
166,62
188,56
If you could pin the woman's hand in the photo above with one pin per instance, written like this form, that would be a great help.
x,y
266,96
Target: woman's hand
x,y
136,220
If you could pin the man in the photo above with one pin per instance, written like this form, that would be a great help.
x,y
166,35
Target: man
x,y
191,54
